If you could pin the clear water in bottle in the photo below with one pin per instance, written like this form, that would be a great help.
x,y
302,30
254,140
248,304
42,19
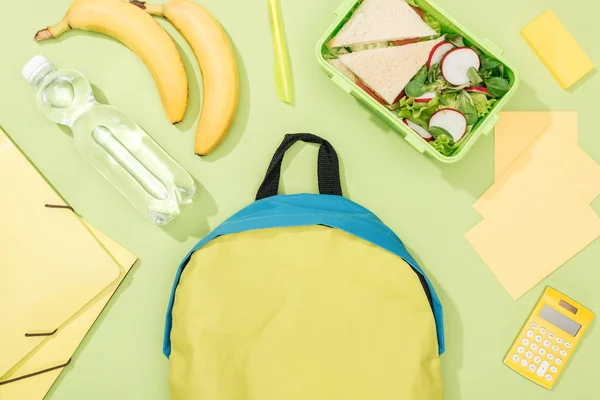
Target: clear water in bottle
x,y
119,149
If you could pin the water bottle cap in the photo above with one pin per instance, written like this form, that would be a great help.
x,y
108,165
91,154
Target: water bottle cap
x,y
34,67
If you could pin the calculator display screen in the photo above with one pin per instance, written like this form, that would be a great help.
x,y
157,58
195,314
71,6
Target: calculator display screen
x,y
559,319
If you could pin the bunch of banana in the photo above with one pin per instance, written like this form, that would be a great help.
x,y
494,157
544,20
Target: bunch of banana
x,y
132,24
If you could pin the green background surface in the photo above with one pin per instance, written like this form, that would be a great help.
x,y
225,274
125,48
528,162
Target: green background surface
x,y
426,203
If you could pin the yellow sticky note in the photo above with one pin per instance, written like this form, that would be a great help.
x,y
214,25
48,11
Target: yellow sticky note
x,y
550,155
526,242
557,49
518,130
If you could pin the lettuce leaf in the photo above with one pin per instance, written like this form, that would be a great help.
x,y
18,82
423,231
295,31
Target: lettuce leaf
x,y
456,40
335,53
370,46
482,104
427,18
432,22
419,113
463,102
444,144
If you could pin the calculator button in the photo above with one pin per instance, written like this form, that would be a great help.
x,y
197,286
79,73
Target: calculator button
x,y
563,353
543,368
537,359
548,377
538,338
515,358
553,369
542,351
543,331
558,361
559,340
535,326
546,343
525,341
520,349
550,356
551,335
523,363
533,346
567,345
530,333
532,367
528,354
554,348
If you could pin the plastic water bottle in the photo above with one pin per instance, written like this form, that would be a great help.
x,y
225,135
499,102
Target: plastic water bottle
x,y
119,149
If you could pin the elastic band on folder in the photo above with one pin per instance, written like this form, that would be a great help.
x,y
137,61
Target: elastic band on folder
x,y
59,206
35,373
40,334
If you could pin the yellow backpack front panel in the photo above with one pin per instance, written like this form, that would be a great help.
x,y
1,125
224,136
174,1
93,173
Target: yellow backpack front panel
x,y
301,313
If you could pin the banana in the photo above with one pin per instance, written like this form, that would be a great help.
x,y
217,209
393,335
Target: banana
x,y
218,66
142,34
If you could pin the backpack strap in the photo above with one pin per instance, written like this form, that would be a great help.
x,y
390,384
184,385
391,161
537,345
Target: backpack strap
x,y
328,167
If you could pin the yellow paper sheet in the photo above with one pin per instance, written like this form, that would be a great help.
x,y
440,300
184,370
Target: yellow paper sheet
x,y
557,49
58,350
52,266
550,155
518,130
524,243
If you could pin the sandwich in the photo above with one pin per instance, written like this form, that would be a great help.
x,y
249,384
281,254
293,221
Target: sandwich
x,y
381,21
387,71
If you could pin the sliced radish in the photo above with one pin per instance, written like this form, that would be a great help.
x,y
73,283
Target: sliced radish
x,y
425,98
457,62
419,129
438,52
451,120
403,42
478,89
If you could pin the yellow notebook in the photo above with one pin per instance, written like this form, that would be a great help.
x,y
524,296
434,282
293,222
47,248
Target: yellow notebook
x,y
557,49
53,270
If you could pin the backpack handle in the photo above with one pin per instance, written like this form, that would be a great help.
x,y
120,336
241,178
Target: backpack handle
x,y
328,166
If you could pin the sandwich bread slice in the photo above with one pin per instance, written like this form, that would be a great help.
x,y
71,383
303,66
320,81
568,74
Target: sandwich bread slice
x,y
387,71
339,65
376,21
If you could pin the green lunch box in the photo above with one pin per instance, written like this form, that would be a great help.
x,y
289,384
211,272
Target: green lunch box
x,y
449,25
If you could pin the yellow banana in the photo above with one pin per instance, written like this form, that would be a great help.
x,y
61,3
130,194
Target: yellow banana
x,y
218,65
142,34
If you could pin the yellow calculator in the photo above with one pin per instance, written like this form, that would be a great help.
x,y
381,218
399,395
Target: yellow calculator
x,y
549,337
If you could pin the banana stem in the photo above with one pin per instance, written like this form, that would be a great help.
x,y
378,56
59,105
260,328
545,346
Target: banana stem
x,y
152,9
53,31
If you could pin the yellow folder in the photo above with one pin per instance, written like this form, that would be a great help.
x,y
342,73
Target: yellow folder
x,y
33,377
56,275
